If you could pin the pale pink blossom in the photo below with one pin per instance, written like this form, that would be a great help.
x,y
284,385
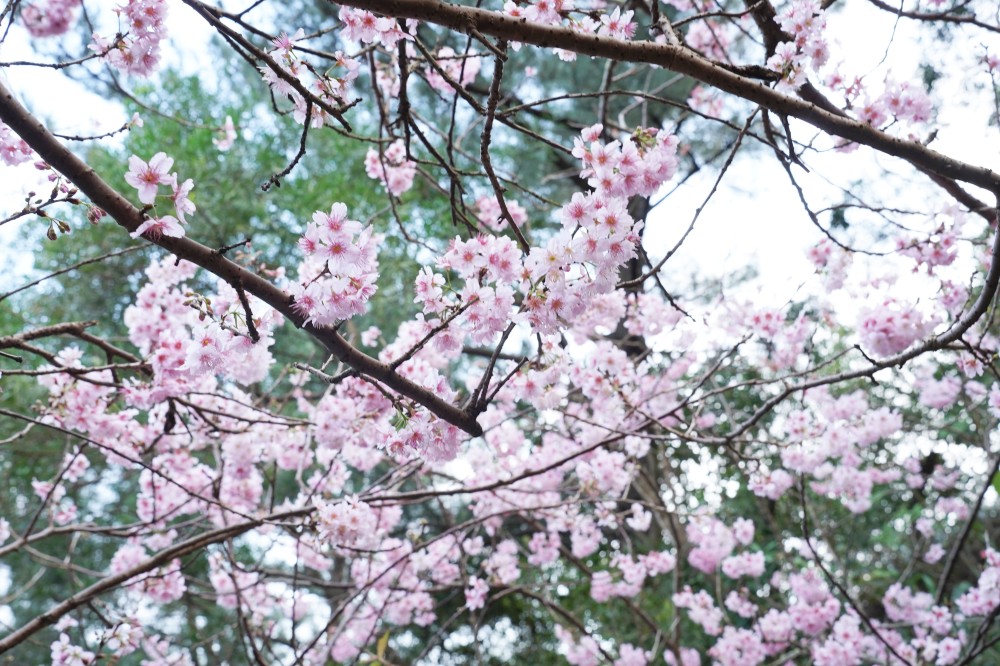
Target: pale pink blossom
x,y
391,167
147,177
182,203
65,653
156,227
13,150
475,594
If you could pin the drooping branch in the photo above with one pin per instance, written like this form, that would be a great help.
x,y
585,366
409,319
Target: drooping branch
x,y
765,17
683,61
36,135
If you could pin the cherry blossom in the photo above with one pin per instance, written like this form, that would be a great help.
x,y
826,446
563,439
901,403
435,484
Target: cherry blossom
x,y
338,275
155,227
13,150
137,52
147,177
391,167
65,653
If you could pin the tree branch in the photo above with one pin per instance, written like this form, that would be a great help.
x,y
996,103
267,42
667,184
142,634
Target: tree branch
x,y
683,61
36,135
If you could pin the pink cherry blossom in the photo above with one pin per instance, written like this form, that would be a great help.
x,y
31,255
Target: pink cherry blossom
x,y
475,594
391,167
147,177
182,203
137,52
543,400
156,227
50,17
65,653
13,150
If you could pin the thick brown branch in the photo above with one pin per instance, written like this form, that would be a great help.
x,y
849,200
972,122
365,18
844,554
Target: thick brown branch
x,y
35,134
683,61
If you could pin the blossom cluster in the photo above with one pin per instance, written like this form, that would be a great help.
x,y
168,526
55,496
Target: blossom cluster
x,y
425,435
337,277
137,52
187,345
580,263
616,25
85,407
805,21
585,651
361,25
13,150
487,265
901,102
391,167
349,523
49,17
461,69
66,653
161,585
892,326
488,213
632,572
831,446
638,165
832,262
939,249
714,543
173,338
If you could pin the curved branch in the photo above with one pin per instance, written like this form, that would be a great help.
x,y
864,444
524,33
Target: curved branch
x,y
36,135
683,61
946,16
109,583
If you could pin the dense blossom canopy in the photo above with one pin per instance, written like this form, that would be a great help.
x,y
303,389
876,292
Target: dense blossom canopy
x,y
552,446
